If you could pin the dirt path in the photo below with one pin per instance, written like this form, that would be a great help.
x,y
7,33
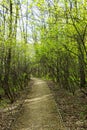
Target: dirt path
x,y
39,111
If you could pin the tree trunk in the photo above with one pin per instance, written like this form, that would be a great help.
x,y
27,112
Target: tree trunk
x,y
81,65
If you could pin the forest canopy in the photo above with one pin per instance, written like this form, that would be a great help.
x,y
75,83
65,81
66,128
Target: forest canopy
x,y
43,38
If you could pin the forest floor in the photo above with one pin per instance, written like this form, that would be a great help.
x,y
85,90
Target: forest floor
x,y
39,111
73,108
10,112
45,106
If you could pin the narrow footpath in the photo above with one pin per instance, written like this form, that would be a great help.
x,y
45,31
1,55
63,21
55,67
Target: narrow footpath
x,y
39,110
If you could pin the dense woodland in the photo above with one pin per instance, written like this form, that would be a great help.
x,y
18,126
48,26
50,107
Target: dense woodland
x,y
43,38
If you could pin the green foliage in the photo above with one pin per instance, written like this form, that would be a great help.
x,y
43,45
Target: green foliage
x,y
19,71
58,31
61,54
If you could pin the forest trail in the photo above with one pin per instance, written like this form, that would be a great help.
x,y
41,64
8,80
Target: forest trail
x,y
39,110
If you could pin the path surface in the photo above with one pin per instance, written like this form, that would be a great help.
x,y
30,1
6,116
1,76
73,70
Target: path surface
x,y
39,111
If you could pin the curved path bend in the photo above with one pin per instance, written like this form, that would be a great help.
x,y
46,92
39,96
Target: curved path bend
x,y
39,110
